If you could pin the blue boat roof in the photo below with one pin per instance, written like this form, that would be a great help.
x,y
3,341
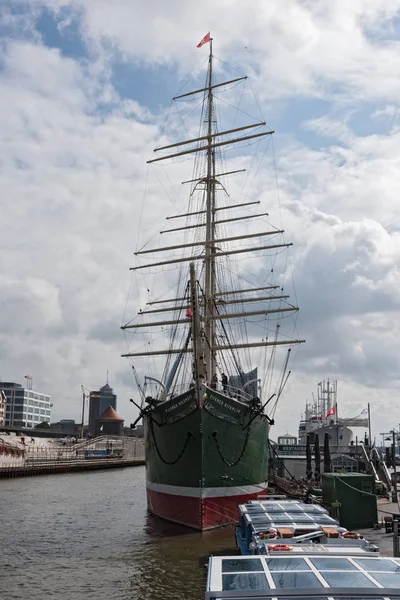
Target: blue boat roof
x,y
259,506
302,577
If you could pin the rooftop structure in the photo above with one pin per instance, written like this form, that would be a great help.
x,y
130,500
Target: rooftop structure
x,y
109,423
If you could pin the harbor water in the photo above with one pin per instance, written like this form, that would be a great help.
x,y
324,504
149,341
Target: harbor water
x,y
88,536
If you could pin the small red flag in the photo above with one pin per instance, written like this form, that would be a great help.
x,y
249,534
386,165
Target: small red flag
x,y
205,40
331,412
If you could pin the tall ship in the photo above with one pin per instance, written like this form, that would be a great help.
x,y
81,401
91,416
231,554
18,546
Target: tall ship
x,y
216,343
322,416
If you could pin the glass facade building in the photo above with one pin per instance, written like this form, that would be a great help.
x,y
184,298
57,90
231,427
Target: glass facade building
x,y
25,408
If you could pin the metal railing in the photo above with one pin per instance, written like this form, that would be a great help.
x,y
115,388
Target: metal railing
x,y
100,449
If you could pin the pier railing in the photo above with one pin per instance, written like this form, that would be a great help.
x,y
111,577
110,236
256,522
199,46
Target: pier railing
x,y
105,450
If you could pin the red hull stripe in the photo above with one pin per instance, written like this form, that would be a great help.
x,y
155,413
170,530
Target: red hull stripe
x,y
208,492
198,513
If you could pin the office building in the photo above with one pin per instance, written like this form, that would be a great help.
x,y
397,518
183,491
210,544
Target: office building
x,y
99,401
25,407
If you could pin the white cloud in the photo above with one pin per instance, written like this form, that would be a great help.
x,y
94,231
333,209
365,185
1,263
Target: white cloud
x,y
73,177
294,46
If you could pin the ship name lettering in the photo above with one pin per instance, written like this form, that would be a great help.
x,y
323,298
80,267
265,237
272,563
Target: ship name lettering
x,y
226,405
177,405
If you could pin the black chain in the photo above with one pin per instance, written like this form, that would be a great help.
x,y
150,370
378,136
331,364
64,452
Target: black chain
x,y
214,435
168,462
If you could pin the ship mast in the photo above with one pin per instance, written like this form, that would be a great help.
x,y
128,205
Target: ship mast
x,y
204,326
209,284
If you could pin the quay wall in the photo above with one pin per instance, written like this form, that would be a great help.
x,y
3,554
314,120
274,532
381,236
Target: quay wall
x,y
105,452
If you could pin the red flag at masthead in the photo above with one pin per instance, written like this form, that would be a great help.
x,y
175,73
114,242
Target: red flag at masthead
x,y
205,40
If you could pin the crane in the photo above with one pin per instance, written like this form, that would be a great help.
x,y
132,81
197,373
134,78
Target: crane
x,y
84,396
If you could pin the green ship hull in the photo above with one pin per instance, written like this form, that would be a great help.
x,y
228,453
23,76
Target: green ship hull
x,y
202,461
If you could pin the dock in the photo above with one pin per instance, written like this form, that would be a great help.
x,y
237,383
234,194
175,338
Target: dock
x,y
104,452
53,467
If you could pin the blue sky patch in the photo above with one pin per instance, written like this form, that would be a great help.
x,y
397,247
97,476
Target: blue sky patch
x,y
58,33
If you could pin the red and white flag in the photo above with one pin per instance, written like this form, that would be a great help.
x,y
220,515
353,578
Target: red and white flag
x,y
331,412
205,40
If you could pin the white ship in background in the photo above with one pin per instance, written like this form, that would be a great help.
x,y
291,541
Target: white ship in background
x,y
321,416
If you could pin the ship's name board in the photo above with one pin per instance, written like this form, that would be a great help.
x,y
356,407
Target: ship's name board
x,y
179,404
225,404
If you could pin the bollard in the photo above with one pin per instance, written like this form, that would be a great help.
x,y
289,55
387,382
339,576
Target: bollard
x,y
396,550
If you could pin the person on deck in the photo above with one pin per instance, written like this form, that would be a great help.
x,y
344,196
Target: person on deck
x,y
214,381
224,381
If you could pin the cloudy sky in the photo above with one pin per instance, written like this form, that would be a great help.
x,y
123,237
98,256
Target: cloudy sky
x,y
84,87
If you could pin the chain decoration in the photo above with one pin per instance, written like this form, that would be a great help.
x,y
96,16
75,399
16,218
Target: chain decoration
x,y
189,435
214,435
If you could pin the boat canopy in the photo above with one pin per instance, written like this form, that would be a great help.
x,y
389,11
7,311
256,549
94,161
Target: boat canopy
x,y
303,577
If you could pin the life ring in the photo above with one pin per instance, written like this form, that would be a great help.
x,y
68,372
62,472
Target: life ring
x,y
352,535
279,548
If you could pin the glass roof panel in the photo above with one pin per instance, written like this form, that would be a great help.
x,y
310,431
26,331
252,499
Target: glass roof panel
x,y
245,581
333,564
390,580
347,579
295,580
378,564
287,564
262,506
289,518
259,518
293,572
232,565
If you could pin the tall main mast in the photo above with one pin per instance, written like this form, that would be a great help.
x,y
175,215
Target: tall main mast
x,y
209,283
206,346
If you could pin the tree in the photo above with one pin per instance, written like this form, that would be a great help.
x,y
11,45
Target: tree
x,y
42,425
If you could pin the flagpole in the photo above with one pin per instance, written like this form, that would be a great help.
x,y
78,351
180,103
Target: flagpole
x,y
369,424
